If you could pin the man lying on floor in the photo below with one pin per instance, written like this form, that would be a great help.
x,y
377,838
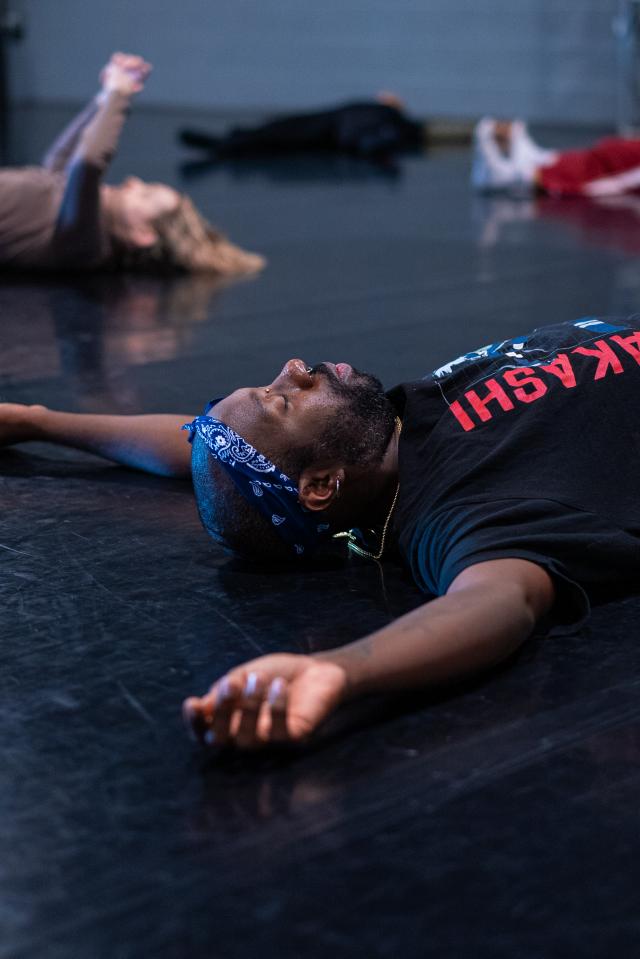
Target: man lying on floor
x,y
506,481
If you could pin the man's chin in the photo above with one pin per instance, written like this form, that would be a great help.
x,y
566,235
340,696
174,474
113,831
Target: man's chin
x,y
366,380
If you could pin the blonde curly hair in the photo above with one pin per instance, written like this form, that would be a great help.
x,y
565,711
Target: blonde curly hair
x,y
187,242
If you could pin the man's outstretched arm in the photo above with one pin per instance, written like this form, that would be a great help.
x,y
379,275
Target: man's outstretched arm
x,y
154,443
489,610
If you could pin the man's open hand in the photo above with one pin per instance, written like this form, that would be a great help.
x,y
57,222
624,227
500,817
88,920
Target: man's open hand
x,y
274,699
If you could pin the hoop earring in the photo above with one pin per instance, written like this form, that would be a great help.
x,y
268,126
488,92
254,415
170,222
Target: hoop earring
x,y
337,487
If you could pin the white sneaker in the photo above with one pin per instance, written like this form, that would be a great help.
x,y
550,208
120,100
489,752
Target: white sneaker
x,y
491,169
527,155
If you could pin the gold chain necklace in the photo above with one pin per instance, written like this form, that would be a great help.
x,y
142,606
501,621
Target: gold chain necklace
x,y
351,536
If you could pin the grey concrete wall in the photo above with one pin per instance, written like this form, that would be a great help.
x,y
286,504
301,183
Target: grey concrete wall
x,y
545,59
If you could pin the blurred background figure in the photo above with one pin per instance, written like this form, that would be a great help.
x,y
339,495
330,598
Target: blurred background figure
x,y
506,158
61,215
375,129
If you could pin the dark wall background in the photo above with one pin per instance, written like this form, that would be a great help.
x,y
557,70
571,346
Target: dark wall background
x,y
551,60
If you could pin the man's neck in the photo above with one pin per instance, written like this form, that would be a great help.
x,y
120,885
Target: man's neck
x,y
371,491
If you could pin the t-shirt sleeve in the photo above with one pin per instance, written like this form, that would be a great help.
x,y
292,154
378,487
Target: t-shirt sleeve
x,y
577,548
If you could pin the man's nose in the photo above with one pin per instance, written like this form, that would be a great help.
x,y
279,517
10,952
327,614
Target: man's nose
x,y
297,372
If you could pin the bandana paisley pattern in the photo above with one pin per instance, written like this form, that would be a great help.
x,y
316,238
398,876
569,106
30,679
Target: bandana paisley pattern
x,y
231,447
276,498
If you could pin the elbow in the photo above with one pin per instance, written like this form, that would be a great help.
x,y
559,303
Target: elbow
x,y
538,593
529,600
525,608
522,590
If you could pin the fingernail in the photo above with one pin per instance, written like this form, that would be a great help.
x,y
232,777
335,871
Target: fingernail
x,y
210,737
251,684
275,690
223,691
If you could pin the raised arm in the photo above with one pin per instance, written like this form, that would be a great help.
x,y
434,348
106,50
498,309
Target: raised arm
x,y
489,610
58,154
61,150
78,236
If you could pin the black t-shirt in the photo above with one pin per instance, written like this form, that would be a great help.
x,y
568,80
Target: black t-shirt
x,y
528,448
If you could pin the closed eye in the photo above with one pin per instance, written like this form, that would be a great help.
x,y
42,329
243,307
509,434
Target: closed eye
x,y
286,402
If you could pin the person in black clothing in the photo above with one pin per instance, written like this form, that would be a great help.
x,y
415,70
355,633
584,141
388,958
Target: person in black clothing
x,y
496,479
370,128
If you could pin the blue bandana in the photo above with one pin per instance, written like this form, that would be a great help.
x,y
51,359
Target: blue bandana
x,y
262,484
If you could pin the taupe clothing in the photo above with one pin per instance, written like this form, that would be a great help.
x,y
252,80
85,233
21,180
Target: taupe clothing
x,y
50,216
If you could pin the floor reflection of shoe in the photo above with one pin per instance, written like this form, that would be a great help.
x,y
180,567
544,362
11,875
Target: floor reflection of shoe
x,y
493,213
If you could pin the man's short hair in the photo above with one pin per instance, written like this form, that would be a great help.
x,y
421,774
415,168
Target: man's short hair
x,y
227,516
357,432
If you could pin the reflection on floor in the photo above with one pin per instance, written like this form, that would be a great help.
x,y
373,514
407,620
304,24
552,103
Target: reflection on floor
x,y
497,822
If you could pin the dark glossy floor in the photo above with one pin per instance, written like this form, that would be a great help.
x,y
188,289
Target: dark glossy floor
x,y
501,822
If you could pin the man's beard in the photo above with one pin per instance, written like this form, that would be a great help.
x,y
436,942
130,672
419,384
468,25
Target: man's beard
x,y
359,430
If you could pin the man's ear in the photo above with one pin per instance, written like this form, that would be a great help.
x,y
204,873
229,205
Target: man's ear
x,y
319,488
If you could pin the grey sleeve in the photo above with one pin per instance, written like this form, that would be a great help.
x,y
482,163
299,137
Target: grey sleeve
x,y
78,238
98,140
58,154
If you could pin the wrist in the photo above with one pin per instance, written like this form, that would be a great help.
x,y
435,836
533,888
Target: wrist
x,y
35,421
347,666
123,89
114,92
